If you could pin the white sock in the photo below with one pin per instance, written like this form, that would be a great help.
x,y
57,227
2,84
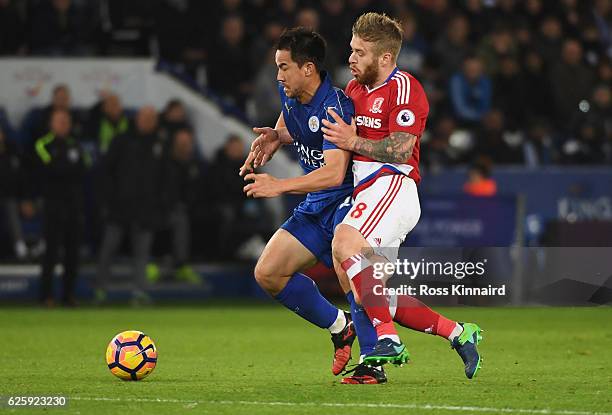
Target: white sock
x,y
456,332
393,337
338,324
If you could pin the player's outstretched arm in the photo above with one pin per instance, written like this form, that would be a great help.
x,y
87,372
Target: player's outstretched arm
x,y
330,175
395,148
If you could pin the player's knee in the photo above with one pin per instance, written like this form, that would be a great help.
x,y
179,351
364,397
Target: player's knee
x,y
267,278
343,245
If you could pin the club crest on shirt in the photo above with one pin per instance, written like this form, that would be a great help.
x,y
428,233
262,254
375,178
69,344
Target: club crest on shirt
x,y
376,105
313,124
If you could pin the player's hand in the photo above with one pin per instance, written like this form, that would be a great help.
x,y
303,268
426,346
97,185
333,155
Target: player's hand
x,y
263,185
262,149
248,164
340,133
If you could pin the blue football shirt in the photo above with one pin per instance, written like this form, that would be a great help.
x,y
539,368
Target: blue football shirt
x,y
303,122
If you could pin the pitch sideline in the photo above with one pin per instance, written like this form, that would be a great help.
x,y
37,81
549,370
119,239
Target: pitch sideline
x,y
349,405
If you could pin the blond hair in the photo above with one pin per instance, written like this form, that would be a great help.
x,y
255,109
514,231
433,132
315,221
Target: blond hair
x,y
380,29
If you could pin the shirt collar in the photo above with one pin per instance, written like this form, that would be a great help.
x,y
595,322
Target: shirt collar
x,y
393,72
391,75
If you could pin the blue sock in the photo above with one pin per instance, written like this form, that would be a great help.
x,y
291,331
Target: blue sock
x,y
366,333
301,295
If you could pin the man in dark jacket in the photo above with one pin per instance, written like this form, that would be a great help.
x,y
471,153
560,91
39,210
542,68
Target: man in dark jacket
x,y
131,187
12,193
61,166
183,183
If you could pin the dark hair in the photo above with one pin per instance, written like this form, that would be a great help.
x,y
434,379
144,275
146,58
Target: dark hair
x,y
305,45
482,165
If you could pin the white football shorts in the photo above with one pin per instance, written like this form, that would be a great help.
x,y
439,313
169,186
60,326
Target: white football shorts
x,y
385,212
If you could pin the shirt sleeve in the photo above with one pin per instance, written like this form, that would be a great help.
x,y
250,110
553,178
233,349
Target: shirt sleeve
x,y
410,108
343,107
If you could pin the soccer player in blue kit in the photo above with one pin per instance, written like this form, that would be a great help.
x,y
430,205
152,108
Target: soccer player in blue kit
x,y
307,94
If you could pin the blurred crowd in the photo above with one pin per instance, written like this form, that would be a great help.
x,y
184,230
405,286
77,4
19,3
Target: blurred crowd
x,y
512,81
520,82
77,183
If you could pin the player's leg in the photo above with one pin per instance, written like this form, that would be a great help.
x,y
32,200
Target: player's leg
x,y
354,254
399,218
464,337
366,334
381,216
277,272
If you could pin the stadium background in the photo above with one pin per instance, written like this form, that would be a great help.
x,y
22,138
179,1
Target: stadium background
x,y
516,164
517,151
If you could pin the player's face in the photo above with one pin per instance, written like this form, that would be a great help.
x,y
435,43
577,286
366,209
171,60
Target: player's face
x,y
290,75
363,62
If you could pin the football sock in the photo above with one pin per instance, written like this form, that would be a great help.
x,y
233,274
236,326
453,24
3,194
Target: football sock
x,y
302,296
338,325
366,334
412,313
361,273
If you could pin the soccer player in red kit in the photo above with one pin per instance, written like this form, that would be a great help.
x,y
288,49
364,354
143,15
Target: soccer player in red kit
x,y
391,111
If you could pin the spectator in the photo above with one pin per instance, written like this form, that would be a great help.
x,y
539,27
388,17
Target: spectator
x,y
286,11
173,118
505,12
572,82
495,47
229,73
453,47
470,92
61,168
602,16
493,142
478,18
308,18
266,41
267,104
132,199
183,178
480,183
12,193
434,15
548,43
436,151
533,13
107,121
414,47
239,218
539,148
36,123
591,130
335,27
536,86
508,93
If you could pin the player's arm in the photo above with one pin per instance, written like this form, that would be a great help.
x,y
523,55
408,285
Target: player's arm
x,y
395,148
329,175
266,144
281,130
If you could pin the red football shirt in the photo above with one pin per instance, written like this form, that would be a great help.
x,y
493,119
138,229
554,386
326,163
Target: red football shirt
x,y
400,104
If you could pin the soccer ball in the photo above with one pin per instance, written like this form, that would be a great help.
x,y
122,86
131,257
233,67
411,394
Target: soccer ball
x,y
131,355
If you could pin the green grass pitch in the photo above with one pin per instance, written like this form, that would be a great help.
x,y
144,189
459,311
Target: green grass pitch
x,y
260,359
